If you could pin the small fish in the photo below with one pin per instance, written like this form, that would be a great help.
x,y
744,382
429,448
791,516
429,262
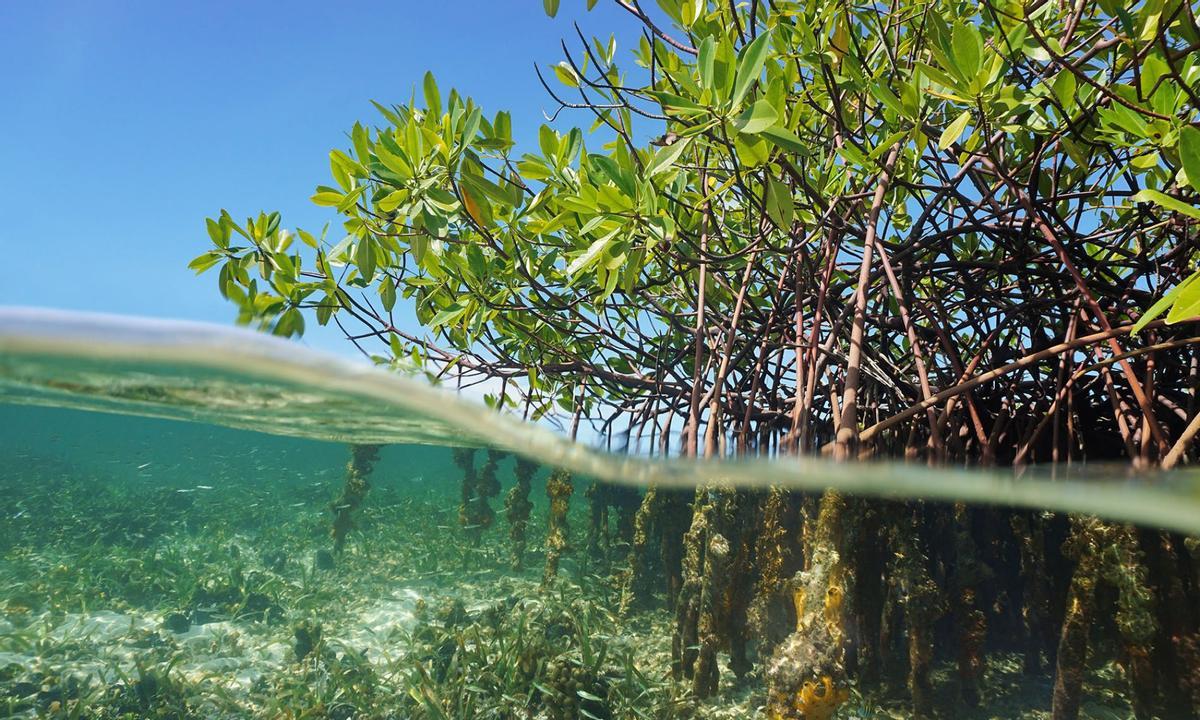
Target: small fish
x,y
186,490
143,466
204,487
299,504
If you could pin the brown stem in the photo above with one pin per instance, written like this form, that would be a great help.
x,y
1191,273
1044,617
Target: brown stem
x,y
847,434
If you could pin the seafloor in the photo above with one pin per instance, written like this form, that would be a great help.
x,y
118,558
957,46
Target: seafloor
x,y
167,597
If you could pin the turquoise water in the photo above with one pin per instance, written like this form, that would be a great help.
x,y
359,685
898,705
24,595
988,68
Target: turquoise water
x,y
170,494
160,568
239,379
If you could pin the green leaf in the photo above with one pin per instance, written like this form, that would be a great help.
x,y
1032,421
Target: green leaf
x,y
392,117
203,262
364,257
1161,306
551,7
1150,15
1187,301
749,66
752,150
938,77
1165,200
328,198
566,74
362,143
351,198
1064,87
387,294
343,169
391,201
706,56
690,11
780,205
756,118
502,126
885,94
394,162
471,126
785,139
289,323
615,173
1189,154
548,141
493,191
433,98
676,104
666,156
954,130
218,232
447,315
285,265
968,50
591,255
326,309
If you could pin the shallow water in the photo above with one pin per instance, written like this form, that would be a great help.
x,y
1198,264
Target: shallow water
x,y
168,497
245,380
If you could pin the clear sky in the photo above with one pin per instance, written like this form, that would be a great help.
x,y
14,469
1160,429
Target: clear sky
x,y
125,124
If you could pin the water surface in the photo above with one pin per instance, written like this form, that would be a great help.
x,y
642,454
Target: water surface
x,y
169,492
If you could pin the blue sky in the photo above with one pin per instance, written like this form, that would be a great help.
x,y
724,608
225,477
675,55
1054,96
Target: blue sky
x,y
125,124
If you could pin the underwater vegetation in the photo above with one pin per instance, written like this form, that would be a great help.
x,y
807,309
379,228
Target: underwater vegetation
x,y
610,603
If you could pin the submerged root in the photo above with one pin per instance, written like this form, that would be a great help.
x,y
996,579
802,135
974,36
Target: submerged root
x,y
770,612
684,640
969,619
475,514
517,508
636,588
597,518
558,489
1029,531
602,499
806,675
921,601
1124,568
354,491
711,612
1187,648
1073,643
